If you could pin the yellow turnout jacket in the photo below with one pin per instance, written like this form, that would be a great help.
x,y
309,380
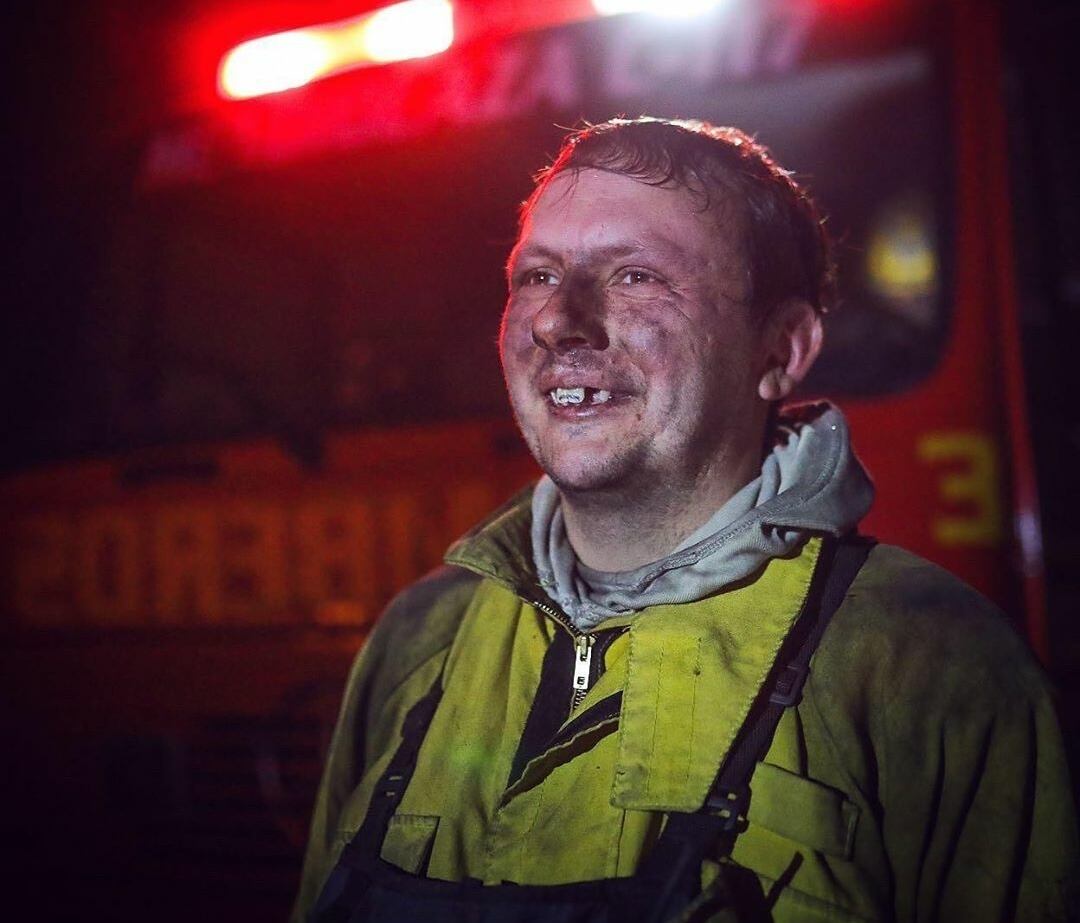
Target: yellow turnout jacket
x,y
920,778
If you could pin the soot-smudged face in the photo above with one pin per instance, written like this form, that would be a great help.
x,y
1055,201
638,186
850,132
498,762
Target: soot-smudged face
x,y
627,344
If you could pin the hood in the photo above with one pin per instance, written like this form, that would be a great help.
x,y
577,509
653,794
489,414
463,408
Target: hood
x,y
811,482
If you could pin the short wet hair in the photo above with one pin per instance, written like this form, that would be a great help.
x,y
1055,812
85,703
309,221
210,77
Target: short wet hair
x,y
788,251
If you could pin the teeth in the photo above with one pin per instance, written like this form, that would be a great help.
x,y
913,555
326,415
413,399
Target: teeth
x,y
563,397
568,397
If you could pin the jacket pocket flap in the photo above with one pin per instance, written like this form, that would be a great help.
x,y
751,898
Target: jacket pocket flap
x,y
408,841
802,810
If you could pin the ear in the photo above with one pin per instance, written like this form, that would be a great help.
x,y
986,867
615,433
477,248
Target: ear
x,y
792,341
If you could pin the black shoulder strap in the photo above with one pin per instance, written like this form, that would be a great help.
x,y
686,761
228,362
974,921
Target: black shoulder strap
x,y
389,790
347,883
715,827
783,688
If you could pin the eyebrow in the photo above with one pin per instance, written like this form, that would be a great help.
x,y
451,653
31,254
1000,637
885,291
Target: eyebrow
x,y
529,250
601,254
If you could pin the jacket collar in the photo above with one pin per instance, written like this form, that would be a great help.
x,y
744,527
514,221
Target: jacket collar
x,y
500,548
692,671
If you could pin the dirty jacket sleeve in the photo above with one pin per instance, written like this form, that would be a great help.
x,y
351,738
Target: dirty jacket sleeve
x,y
952,726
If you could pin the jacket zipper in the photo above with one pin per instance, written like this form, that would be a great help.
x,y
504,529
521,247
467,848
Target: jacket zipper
x,y
583,654
583,645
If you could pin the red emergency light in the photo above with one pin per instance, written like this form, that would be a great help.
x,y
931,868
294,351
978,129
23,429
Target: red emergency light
x,y
666,8
285,60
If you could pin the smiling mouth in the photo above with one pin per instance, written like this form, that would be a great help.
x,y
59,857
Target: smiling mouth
x,y
573,397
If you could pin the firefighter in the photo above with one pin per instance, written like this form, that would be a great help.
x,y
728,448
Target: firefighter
x,y
671,681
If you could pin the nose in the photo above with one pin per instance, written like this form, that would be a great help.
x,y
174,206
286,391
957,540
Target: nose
x,y
572,318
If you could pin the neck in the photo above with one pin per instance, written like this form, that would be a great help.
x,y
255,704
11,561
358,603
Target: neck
x,y
622,529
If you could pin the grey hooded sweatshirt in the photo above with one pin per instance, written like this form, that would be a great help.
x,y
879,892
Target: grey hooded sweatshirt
x,y
811,481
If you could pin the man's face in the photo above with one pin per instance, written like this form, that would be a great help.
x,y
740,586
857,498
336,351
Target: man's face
x,y
629,350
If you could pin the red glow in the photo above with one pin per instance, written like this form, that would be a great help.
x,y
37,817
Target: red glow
x,y
275,62
667,8
854,7
413,29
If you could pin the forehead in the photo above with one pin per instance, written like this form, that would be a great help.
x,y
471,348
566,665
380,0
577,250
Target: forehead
x,y
595,209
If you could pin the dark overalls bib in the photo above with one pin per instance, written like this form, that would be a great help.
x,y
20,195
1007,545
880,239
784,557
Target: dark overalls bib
x,y
364,888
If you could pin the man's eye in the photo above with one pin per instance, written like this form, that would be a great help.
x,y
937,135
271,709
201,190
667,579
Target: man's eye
x,y
636,277
540,277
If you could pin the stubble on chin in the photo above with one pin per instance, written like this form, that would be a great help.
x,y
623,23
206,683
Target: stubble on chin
x,y
580,472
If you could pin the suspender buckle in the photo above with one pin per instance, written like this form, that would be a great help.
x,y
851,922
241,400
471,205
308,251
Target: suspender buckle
x,y
788,686
393,784
730,805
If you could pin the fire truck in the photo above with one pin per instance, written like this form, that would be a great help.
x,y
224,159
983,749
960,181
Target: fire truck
x,y
284,402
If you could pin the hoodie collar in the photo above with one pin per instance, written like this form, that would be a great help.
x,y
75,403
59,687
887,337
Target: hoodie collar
x,y
811,482
819,487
